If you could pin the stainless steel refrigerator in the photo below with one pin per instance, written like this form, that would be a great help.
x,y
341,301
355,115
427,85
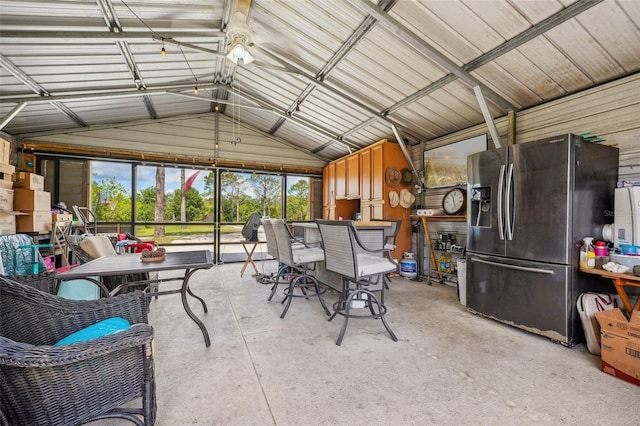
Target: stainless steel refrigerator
x,y
530,205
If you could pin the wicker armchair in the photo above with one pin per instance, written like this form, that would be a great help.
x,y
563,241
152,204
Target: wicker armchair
x,y
72,384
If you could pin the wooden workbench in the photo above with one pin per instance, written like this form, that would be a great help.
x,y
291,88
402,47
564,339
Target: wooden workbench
x,y
620,281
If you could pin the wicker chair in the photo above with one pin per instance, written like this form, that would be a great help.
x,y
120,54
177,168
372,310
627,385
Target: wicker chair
x,y
72,384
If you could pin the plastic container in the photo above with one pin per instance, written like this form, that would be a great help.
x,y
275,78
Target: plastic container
x,y
600,249
587,253
630,250
408,266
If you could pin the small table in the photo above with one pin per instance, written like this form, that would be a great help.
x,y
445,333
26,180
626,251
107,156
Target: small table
x,y
619,281
123,264
252,247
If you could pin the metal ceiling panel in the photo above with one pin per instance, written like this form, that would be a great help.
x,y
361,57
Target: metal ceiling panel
x,y
307,32
267,85
41,117
384,71
608,24
327,76
546,57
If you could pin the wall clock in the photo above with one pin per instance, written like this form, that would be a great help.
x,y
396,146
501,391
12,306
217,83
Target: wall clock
x,y
454,201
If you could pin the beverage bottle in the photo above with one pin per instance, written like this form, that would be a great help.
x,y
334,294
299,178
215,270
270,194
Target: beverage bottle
x,y
587,253
444,263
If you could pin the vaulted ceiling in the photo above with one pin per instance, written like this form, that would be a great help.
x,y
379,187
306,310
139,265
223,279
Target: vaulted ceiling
x,y
328,76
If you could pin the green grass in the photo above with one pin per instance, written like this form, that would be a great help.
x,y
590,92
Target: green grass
x,y
175,231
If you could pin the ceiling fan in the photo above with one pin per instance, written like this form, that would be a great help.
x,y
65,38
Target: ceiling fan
x,y
239,34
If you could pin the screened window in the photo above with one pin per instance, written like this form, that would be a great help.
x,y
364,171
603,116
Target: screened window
x,y
298,206
111,191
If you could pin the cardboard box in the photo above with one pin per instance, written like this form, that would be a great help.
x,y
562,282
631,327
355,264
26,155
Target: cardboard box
x,y
29,200
26,180
61,217
7,169
7,224
34,221
620,344
5,151
6,199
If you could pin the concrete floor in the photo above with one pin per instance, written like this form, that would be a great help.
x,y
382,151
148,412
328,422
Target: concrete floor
x,y
448,367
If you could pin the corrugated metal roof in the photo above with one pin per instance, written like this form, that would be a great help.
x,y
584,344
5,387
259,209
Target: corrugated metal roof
x,y
329,76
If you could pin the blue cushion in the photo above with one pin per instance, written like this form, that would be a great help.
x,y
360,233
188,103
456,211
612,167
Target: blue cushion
x,y
79,289
99,329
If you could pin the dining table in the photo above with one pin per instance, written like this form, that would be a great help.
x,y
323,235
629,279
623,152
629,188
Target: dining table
x,y
370,233
133,263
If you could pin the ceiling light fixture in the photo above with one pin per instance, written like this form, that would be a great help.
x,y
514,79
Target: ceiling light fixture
x,y
195,89
163,52
238,53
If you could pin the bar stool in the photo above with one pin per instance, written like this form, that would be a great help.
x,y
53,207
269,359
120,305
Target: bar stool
x,y
272,249
390,235
362,273
300,258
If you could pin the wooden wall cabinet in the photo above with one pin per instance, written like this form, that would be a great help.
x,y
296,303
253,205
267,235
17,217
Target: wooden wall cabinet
x,y
365,174
359,182
353,176
341,179
378,170
329,191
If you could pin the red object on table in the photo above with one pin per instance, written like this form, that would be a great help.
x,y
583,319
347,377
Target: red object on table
x,y
139,247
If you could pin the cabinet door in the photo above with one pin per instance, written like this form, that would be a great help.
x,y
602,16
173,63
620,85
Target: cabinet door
x,y
377,210
329,213
341,178
330,185
377,173
325,186
353,176
365,175
365,209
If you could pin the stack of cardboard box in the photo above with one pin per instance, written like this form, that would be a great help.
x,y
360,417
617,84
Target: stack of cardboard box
x,y
30,197
7,217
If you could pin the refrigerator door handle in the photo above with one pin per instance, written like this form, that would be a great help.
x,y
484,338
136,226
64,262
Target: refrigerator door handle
x,y
500,210
516,267
509,226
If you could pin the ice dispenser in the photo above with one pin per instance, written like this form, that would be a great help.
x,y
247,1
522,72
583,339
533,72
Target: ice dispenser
x,y
481,206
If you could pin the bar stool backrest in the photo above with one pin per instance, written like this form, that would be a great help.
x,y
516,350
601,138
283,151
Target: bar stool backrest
x,y
283,241
339,246
391,233
270,235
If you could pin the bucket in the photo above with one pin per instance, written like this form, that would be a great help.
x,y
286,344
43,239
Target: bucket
x,y
408,266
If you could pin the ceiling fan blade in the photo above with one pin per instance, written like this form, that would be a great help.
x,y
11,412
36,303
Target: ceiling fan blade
x,y
241,7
